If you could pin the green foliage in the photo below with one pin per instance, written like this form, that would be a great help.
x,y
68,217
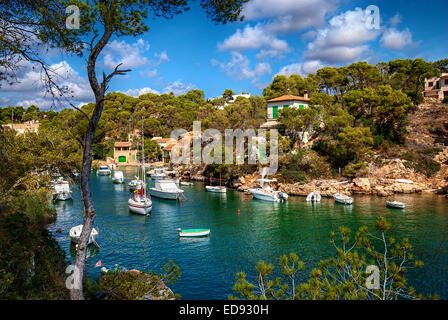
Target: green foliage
x,y
421,162
445,100
292,85
134,285
32,264
343,276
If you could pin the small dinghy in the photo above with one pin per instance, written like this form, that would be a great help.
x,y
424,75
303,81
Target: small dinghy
x,y
343,198
395,204
216,189
314,197
75,233
193,232
186,183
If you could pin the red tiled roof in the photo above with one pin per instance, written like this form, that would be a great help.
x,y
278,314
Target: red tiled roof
x,y
289,98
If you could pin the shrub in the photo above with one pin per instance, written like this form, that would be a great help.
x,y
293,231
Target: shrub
x,y
421,162
445,100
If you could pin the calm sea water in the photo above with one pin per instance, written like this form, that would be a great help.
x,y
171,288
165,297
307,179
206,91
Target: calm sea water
x,y
262,231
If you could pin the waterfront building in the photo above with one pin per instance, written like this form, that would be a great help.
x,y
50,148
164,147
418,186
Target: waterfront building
x,y
123,153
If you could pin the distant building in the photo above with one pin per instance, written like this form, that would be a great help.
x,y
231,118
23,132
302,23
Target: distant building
x,y
274,106
287,101
234,97
436,88
165,143
20,128
123,153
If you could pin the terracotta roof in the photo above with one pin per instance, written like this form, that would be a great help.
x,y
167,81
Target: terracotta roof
x,y
163,140
122,144
289,98
169,147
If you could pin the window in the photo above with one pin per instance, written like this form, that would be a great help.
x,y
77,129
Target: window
x,y
301,106
430,84
285,106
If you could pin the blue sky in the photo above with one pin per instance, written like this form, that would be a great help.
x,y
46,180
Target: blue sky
x,y
277,37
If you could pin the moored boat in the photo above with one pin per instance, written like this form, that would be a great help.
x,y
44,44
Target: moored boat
x,y
103,171
165,189
118,177
139,203
395,204
267,193
184,183
314,197
61,190
75,234
159,174
135,184
216,189
343,199
193,232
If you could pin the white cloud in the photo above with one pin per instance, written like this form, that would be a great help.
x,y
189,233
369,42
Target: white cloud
x,y
138,92
178,87
290,15
344,39
397,40
239,67
253,38
30,83
303,69
130,55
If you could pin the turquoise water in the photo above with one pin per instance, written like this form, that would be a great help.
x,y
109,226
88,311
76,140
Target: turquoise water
x,y
262,231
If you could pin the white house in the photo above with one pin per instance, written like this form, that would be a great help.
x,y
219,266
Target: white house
x,y
287,101
234,97
436,87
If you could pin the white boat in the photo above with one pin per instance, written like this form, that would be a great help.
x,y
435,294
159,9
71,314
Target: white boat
x,y
405,181
61,190
343,198
104,171
193,232
395,204
217,189
166,189
267,193
177,181
135,184
111,166
159,174
182,183
118,177
314,197
75,234
139,202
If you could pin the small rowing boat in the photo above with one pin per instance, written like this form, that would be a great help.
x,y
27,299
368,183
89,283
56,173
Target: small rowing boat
x,y
75,234
395,204
314,197
193,232
343,198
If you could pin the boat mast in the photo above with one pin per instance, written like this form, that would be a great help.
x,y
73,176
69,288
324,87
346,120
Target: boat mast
x,y
143,162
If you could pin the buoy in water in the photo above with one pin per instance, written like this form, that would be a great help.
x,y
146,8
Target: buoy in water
x,y
59,230
238,211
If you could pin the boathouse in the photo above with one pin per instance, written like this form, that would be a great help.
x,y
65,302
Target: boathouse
x,y
123,153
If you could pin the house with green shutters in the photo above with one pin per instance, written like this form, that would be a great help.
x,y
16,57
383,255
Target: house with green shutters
x,y
286,101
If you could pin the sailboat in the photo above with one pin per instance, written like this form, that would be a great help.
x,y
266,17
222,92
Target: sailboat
x,y
217,189
139,202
